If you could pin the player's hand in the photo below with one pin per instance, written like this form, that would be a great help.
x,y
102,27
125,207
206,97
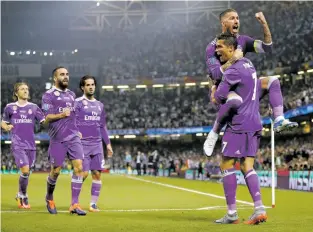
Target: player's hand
x,y
260,17
8,128
238,54
66,112
80,135
109,150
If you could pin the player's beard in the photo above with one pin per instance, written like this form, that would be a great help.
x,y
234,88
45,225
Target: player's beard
x,y
63,85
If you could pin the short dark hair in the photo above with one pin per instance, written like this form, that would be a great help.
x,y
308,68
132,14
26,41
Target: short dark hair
x,y
56,69
230,39
225,12
83,81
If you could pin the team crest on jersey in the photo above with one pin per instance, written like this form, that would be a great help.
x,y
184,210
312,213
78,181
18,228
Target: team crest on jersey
x,y
85,102
57,93
30,111
14,108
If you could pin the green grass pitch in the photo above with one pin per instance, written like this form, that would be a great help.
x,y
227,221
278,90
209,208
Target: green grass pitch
x,y
153,205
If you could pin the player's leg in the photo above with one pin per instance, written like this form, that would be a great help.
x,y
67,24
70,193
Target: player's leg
x,y
271,85
230,187
232,145
76,155
22,161
56,153
96,165
252,180
225,112
95,190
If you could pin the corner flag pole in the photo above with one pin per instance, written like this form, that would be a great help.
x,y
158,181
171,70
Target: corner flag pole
x,y
273,162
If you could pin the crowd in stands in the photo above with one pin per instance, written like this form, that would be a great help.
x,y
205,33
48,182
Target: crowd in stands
x,y
291,153
179,51
171,50
166,108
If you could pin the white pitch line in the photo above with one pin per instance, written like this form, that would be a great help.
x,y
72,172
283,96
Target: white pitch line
x,y
130,210
122,210
190,190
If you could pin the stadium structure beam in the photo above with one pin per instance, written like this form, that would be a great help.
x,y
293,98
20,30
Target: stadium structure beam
x,y
106,14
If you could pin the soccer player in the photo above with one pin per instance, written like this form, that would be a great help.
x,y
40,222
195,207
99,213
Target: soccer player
x,y
242,134
58,106
271,85
19,118
91,123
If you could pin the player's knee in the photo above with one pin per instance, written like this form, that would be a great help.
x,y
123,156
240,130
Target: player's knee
x,y
55,172
78,169
245,167
96,175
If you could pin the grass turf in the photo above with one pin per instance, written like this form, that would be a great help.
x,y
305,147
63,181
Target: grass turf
x,y
179,212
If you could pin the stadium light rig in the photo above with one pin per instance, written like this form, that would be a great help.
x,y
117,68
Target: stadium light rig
x,y
129,136
27,52
7,142
204,83
34,52
174,85
12,53
190,84
122,86
141,86
301,72
157,86
107,87
310,70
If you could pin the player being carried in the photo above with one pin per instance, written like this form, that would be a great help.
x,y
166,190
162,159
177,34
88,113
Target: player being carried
x,y
91,122
243,131
19,118
58,106
271,85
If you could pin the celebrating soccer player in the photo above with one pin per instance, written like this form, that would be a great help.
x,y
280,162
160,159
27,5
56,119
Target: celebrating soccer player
x,y
58,106
19,118
271,85
243,131
90,119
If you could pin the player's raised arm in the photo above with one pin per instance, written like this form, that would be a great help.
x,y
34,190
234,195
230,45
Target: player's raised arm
x,y
48,110
259,46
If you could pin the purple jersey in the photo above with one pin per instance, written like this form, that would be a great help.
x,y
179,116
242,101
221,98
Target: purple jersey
x,y
91,121
242,79
53,102
23,120
245,43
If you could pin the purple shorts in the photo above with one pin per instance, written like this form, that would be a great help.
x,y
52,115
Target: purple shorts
x,y
239,145
93,157
58,150
24,157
